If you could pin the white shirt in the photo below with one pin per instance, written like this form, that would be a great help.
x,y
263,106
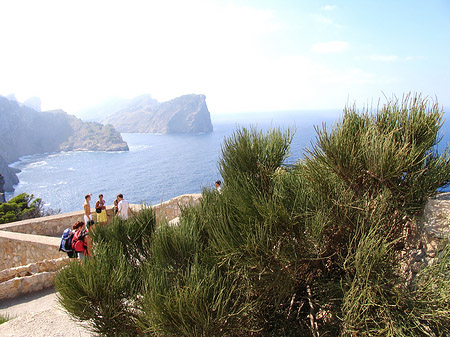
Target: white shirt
x,y
123,209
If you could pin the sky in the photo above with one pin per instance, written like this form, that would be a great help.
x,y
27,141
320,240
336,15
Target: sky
x,y
244,55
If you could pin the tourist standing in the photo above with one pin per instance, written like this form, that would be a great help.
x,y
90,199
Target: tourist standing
x,y
115,207
87,210
122,207
218,186
100,209
79,242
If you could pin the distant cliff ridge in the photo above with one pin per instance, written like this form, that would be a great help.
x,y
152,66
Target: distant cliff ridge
x,y
110,106
33,103
184,114
25,131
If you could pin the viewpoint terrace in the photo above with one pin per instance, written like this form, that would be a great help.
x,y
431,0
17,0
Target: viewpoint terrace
x,y
29,249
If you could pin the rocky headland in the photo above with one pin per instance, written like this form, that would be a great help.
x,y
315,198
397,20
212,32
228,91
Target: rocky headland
x,y
25,131
184,114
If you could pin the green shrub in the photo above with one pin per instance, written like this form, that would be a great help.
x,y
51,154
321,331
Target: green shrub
x,y
106,289
21,207
312,249
4,318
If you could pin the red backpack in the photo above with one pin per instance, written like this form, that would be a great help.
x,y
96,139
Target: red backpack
x,y
78,243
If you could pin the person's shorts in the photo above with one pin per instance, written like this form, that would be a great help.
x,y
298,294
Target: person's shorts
x,y
81,256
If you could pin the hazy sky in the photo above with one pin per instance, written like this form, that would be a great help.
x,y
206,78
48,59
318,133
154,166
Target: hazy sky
x,y
244,55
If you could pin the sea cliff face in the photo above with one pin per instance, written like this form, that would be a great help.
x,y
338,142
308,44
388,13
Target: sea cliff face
x,y
184,114
25,131
9,176
2,190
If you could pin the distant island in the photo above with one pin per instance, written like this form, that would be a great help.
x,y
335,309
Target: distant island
x,y
26,131
143,114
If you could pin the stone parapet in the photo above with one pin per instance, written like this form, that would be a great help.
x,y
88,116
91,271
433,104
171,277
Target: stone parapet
x,y
23,285
33,268
29,278
54,225
17,249
171,209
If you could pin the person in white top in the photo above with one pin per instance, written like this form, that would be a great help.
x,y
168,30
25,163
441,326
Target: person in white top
x,y
122,207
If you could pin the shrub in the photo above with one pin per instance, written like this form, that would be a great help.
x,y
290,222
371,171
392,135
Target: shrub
x,y
4,318
106,289
311,249
23,206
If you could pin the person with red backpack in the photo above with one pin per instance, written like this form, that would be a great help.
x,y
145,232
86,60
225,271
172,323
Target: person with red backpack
x,y
79,242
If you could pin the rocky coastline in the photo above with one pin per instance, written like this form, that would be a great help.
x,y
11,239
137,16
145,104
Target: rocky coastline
x,y
25,131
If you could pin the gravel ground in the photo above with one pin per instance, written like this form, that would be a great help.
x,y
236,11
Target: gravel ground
x,y
38,314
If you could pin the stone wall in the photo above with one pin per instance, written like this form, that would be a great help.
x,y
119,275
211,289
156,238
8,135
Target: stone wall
x,y
27,284
33,268
171,209
434,229
29,278
17,249
27,262
54,225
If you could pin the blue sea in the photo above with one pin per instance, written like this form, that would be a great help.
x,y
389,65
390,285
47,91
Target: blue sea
x,y
158,167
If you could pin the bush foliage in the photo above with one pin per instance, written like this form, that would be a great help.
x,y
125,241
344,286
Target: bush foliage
x,y
21,207
4,319
312,249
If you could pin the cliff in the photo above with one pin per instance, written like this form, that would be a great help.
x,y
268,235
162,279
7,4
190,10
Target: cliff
x,y
184,114
2,191
25,131
33,103
9,176
113,105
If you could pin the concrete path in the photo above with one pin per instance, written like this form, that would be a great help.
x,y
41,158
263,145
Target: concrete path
x,y
38,314
29,303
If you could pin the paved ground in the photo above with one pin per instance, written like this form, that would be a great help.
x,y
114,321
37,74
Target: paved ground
x,y
38,314
29,303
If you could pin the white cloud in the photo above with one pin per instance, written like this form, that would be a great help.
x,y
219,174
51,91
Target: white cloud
x,y
322,20
328,7
414,58
383,58
331,47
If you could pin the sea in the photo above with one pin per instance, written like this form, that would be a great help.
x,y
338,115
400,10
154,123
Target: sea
x,y
157,167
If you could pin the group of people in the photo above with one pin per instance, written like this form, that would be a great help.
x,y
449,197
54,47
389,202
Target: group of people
x,y
80,229
121,207
80,239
